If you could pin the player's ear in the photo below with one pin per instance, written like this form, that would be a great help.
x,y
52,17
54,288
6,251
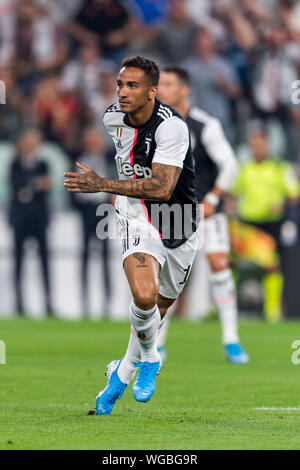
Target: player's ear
x,y
185,91
153,92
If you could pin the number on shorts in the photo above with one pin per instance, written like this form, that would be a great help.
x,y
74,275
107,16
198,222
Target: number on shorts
x,y
187,271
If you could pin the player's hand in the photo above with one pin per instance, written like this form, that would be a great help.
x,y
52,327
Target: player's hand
x,y
208,209
86,182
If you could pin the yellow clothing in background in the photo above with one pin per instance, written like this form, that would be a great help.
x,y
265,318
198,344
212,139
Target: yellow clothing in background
x,y
262,189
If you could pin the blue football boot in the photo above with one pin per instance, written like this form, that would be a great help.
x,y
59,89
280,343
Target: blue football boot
x,y
144,386
236,354
113,391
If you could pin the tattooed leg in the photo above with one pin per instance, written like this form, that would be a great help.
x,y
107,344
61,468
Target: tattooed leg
x,y
140,257
142,271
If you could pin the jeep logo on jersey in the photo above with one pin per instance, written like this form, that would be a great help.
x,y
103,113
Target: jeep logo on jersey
x,y
129,170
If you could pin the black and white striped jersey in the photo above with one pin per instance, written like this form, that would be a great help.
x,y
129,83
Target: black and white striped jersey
x,y
163,139
215,162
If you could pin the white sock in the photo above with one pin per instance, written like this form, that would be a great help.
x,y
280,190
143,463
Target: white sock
x,y
163,330
224,296
145,325
127,368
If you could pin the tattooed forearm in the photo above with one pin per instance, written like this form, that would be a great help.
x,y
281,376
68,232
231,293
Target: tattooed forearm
x,y
141,258
159,187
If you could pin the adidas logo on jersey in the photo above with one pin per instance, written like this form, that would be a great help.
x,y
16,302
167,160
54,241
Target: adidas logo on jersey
x,y
129,170
119,144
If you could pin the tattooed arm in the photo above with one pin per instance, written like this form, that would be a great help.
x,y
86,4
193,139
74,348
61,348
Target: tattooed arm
x,y
159,187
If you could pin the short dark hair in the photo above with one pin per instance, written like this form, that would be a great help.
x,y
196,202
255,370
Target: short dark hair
x,y
147,65
180,73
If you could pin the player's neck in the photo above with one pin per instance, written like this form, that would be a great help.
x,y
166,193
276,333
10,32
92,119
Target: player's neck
x,y
142,115
183,108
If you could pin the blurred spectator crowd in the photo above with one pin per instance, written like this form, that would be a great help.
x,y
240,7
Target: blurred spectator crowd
x,y
59,59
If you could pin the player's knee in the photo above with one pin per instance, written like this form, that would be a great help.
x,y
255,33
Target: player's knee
x,y
145,301
146,298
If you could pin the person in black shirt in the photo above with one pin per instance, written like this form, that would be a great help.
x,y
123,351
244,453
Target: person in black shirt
x,y
106,21
29,212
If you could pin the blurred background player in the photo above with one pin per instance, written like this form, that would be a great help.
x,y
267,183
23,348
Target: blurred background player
x,y
216,169
264,185
29,212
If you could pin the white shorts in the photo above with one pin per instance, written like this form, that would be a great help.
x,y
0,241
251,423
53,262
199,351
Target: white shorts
x,y
216,234
176,263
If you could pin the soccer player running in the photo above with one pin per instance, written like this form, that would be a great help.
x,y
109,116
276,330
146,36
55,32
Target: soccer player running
x,y
156,170
216,171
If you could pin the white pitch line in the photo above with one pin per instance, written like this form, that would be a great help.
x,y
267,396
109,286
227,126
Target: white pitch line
x,y
272,408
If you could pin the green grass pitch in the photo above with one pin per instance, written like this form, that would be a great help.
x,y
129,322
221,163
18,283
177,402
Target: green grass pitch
x,y
56,368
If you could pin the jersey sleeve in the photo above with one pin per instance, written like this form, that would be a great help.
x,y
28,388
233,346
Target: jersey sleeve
x,y
107,123
172,142
220,151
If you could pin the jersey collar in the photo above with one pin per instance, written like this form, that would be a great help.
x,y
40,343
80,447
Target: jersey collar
x,y
155,109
